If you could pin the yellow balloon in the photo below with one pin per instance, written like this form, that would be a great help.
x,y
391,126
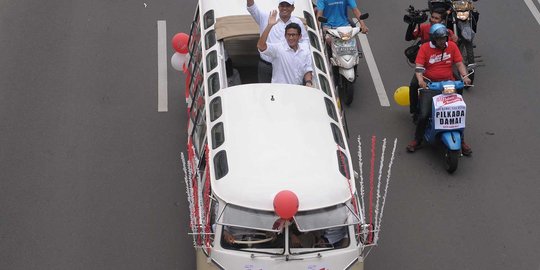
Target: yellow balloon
x,y
401,96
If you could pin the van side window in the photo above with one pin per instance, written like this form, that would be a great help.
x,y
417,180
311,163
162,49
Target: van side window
x,y
309,20
208,19
211,61
314,40
221,168
213,83
331,109
319,62
218,136
343,162
325,86
215,109
337,135
199,135
210,39
197,105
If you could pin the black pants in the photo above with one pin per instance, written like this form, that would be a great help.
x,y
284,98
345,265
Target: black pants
x,y
426,103
413,95
264,71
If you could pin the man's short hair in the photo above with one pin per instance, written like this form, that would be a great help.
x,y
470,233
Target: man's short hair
x,y
440,11
294,26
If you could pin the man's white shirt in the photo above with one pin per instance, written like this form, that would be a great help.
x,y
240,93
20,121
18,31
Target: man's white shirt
x,y
277,33
288,66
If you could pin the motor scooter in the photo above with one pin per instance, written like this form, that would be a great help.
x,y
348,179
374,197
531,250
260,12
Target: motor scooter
x,y
344,57
447,120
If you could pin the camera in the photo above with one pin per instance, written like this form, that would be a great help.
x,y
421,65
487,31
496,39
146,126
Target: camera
x,y
415,16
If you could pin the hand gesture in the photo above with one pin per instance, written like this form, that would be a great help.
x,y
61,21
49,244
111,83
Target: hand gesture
x,y
272,19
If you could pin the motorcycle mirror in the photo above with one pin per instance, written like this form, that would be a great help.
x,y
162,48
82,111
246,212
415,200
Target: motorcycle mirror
x,y
364,16
322,19
420,69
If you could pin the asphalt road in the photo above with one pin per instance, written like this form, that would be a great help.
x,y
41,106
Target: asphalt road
x,y
90,172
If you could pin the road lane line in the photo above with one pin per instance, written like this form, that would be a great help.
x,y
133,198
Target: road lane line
x,y
375,75
533,9
162,66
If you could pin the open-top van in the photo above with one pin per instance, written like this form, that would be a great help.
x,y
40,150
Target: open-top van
x,y
269,175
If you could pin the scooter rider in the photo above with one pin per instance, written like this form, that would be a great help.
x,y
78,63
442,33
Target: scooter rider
x,y
437,57
421,31
336,13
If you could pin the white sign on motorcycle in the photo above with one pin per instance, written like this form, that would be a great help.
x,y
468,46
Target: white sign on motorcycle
x,y
449,111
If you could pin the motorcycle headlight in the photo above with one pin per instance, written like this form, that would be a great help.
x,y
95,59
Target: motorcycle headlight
x,y
345,36
463,15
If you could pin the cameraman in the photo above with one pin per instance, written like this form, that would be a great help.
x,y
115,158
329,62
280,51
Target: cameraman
x,y
415,31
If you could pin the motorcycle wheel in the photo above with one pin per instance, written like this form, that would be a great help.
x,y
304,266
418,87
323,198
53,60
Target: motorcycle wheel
x,y
466,49
346,90
451,158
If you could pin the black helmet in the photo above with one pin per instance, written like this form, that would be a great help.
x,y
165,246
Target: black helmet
x,y
437,4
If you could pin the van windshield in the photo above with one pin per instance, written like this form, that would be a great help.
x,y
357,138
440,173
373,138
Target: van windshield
x,y
237,216
334,216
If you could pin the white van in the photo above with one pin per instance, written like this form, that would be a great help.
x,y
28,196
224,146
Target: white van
x,y
251,141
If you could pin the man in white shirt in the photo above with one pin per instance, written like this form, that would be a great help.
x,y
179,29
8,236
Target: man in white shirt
x,y
291,63
277,34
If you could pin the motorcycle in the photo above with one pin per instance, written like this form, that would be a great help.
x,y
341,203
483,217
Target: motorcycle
x,y
463,21
344,57
447,121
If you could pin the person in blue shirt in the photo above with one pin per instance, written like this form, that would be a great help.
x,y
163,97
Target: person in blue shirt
x,y
336,13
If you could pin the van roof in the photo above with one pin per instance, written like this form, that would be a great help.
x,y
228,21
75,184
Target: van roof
x,y
278,137
239,7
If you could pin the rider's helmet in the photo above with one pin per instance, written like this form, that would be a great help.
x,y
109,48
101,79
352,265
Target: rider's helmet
x,y
436,31
437,4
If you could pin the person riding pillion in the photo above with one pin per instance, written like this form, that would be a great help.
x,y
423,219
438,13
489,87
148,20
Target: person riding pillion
x,y
291,63
437,57
421,31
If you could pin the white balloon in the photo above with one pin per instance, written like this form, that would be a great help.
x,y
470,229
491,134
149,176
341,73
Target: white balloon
x,y
178,60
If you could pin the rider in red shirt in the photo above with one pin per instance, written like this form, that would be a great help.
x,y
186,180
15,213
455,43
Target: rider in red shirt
x,y
437,57
414,32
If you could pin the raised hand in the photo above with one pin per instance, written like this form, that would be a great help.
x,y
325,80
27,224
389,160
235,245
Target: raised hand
x,y
272,19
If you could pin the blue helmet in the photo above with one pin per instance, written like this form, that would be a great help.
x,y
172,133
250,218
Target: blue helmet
x,y
436,31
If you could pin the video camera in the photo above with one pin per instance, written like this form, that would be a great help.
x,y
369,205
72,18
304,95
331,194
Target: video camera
x,y
416,16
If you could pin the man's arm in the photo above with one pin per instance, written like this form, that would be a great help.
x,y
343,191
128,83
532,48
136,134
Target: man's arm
x,y
272,20
357,14
409,35
308,79
420,77
463,72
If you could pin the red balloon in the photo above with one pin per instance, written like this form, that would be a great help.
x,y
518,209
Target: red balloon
x,y
180,43
286,204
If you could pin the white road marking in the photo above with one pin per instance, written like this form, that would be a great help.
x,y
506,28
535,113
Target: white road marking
x,y
533,9
162,66
375,75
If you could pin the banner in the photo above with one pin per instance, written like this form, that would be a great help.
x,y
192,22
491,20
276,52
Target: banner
x,y
449,111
